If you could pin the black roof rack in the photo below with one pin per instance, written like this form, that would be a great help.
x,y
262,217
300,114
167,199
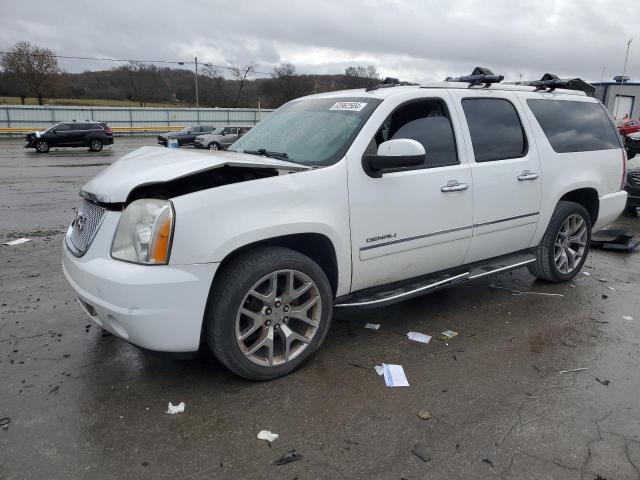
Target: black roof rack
x,y
549,82
479,76
389,82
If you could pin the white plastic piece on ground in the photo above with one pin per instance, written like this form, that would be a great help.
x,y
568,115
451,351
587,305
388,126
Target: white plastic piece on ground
x,y
379,370
447,334
586,273
372,326
581,369
267,436
173,409
628,318
419,337
394,376
18,241
612,289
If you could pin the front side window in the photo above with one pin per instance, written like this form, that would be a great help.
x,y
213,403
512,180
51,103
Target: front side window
x,y
63,127
426,121
314,131
495,128
574,126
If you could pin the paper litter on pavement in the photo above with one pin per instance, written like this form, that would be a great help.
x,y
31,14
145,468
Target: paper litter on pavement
x,y
628,318
267,436
173,409
18,241
447,334
372,326
419,337
394,376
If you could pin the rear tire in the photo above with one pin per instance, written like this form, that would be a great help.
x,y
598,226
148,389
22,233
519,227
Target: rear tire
x,y
95,145
565,245
214,146
42,146
244,311
631,210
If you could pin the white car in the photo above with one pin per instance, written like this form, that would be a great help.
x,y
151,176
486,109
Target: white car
x,y
344,199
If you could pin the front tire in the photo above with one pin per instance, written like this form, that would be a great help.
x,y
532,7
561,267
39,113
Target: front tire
x,y
95,145
268,311
42,146
565,245
214,146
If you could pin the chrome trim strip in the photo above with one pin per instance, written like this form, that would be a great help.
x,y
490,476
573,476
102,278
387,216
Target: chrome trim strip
x,y
506,219
416,237
404,294
502,269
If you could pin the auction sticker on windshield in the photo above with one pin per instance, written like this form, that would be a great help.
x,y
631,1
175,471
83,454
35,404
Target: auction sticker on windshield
x,y
348,106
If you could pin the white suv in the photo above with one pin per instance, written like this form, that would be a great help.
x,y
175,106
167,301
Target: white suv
x,y
344,199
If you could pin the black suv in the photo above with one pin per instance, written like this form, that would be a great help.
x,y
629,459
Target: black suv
x,y
71,134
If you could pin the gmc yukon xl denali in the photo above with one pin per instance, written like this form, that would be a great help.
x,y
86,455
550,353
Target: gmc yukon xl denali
x,y
346,199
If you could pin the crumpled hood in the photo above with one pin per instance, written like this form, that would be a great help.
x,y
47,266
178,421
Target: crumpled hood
x,y
159,164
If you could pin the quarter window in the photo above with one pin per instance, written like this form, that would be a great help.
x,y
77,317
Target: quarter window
x,y
574,126
495,128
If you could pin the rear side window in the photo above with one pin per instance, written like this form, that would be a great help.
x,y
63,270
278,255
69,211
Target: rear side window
x,y
574,126
495,127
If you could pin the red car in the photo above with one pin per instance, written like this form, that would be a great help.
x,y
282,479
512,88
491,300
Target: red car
x,y
625,127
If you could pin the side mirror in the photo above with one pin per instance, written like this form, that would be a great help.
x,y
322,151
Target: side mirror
x,y
394,154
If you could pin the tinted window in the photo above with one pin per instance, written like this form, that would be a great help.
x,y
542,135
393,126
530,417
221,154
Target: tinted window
x,y
574,126
496,131
65,127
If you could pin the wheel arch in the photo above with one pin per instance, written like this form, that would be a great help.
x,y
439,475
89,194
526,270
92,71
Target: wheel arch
x,y
588,198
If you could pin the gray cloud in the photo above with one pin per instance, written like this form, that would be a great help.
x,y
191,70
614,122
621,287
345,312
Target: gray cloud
x,y
411,39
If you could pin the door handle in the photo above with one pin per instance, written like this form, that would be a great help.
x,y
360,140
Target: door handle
x,y
454,187
527,175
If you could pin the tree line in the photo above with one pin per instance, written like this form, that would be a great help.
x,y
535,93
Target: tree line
x,y
31,71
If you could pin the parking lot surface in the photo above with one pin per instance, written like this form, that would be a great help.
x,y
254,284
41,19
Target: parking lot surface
x,y
84,404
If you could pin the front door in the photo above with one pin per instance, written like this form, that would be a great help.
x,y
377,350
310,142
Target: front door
x,y
505,168
411,222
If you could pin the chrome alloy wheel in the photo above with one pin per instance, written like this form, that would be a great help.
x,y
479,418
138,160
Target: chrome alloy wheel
x,y
278,317
42,146
570,243
213,146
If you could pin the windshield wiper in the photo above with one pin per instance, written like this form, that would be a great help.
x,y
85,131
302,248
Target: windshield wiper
x,y
267,153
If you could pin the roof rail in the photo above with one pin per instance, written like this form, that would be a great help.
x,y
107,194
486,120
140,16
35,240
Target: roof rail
x,y
389,82
479,76
549,82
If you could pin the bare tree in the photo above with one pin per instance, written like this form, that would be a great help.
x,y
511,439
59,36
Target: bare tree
x,y
288,84
139,79
33,67
216,93
361,76
241,75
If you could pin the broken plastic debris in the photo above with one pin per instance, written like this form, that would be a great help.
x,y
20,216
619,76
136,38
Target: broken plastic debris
x,y
574,370
424,414
372,326
18,241
290,456
419,337
267,436
628,318
586,273
447,335
379,369
173,409
394,376
421,452
520,292
612,289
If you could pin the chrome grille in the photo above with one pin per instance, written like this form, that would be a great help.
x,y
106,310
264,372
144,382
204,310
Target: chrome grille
x,y
634,179
84,227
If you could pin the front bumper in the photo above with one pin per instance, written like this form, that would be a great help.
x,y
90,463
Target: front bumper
x,y
157,307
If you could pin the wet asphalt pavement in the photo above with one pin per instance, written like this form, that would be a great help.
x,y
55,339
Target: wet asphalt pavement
x,y
85,405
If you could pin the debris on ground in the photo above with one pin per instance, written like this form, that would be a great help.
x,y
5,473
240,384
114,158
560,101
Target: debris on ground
x,y
487,461
447,335
379,370
372,326
288,457
620,240
17,241
267,436
612,289
419,451
419,337
394,376
173,409
424,414
521,292
4,423
628,318
569,343
586,273
574,370
602,382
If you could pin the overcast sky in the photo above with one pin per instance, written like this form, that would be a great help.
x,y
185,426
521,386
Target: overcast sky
x,y
415,40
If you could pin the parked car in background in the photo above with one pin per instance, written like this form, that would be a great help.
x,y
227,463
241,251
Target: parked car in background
x,y
186,136
632,144
93,135
220,138
628,126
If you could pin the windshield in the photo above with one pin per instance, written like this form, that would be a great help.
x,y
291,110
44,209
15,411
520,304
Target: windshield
x,y
315,131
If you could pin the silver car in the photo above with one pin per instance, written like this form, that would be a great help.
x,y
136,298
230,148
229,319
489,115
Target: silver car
x,y
220,138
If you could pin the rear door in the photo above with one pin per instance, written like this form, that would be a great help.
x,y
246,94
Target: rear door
x,y
230,136
505,167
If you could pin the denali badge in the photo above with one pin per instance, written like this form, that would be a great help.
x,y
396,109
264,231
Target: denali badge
x,y
382,237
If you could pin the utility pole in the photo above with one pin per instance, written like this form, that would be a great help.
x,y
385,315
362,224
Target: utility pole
x,y
197,99
624,72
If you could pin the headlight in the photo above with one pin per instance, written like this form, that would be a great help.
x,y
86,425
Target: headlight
x,y
144,232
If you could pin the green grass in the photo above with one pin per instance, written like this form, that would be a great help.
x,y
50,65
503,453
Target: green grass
x,y
84,102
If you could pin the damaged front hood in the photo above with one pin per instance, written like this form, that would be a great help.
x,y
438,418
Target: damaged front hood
x,y
148,165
